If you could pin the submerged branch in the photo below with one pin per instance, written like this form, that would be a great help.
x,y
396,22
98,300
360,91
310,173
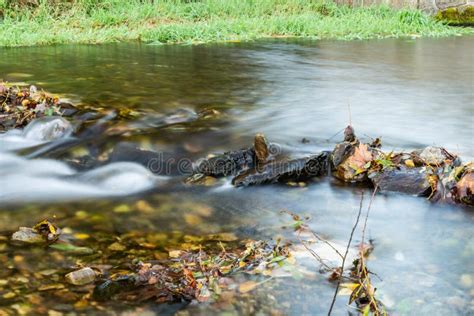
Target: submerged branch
x,y
347,251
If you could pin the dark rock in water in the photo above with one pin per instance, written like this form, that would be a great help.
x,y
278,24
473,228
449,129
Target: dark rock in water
x,y
341,152
349,134
294,170
161,163
67,109
83,163
412,181
109,288
229,163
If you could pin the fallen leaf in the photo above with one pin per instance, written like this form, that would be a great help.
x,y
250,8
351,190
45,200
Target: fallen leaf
x,y
361,156
175,253
409,163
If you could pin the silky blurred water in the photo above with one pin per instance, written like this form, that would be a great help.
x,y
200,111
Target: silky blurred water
x,y
412,93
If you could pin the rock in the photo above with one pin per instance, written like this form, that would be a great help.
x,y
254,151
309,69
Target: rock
x,y
28,235
349,135
229,163
284,171
412,181
120,177
109,288
464,189
162,163
67,109
48,129
81,277
201,179
341,152
435,156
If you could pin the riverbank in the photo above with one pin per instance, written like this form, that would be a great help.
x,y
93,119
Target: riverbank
x,y
94,22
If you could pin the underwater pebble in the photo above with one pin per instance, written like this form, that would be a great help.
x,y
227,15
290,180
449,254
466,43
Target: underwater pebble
x,y
117,247
81,277
26,234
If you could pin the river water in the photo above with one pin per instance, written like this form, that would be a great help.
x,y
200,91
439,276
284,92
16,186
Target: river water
x,y
411,93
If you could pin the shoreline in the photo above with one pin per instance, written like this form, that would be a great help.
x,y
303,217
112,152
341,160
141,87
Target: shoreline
x,y
211,21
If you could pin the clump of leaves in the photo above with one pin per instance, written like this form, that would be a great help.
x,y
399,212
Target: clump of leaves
x,y
355,166
191,275
20,105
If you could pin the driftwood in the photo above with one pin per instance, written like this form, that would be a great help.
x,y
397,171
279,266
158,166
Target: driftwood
x,y
432,172
291,170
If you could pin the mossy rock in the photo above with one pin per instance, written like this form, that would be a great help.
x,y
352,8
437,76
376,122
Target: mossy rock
x,y
463,16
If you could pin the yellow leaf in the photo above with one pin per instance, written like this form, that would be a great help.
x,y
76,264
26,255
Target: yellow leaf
x,y
81,236
409,163
350,286
174,253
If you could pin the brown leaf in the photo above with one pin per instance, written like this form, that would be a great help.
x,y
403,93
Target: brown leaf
x,y
361,156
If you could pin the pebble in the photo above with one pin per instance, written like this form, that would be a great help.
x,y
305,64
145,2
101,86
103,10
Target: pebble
x,y
28,235
81,277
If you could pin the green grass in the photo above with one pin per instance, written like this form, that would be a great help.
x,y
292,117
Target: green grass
x,y
173,21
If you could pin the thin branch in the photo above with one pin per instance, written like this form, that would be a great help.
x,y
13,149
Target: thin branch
x,y
347,251
311,251
367,215
327,243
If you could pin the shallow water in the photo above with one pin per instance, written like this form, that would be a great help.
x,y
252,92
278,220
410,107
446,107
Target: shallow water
x,y
412,93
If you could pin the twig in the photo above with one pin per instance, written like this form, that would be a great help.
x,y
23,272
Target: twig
x,y
347,251
311,251
330,138
327,243
373,301
367,215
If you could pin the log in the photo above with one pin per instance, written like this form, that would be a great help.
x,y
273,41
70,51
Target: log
x,y
292,170
229,163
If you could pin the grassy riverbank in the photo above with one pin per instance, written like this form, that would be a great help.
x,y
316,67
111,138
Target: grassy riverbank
x,y
159,21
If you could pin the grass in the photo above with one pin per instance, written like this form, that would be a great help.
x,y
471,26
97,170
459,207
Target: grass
x,y
174,21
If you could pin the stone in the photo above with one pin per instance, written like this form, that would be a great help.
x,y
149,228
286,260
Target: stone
x,y
48,129
81,277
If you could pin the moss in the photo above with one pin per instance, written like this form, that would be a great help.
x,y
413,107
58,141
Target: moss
x,y
457,16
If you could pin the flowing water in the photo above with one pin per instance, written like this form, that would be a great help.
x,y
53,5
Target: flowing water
x,y
412,93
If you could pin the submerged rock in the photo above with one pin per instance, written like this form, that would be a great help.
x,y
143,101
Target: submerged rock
x,y
162,163
28,235
48,129
120,177
81,277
